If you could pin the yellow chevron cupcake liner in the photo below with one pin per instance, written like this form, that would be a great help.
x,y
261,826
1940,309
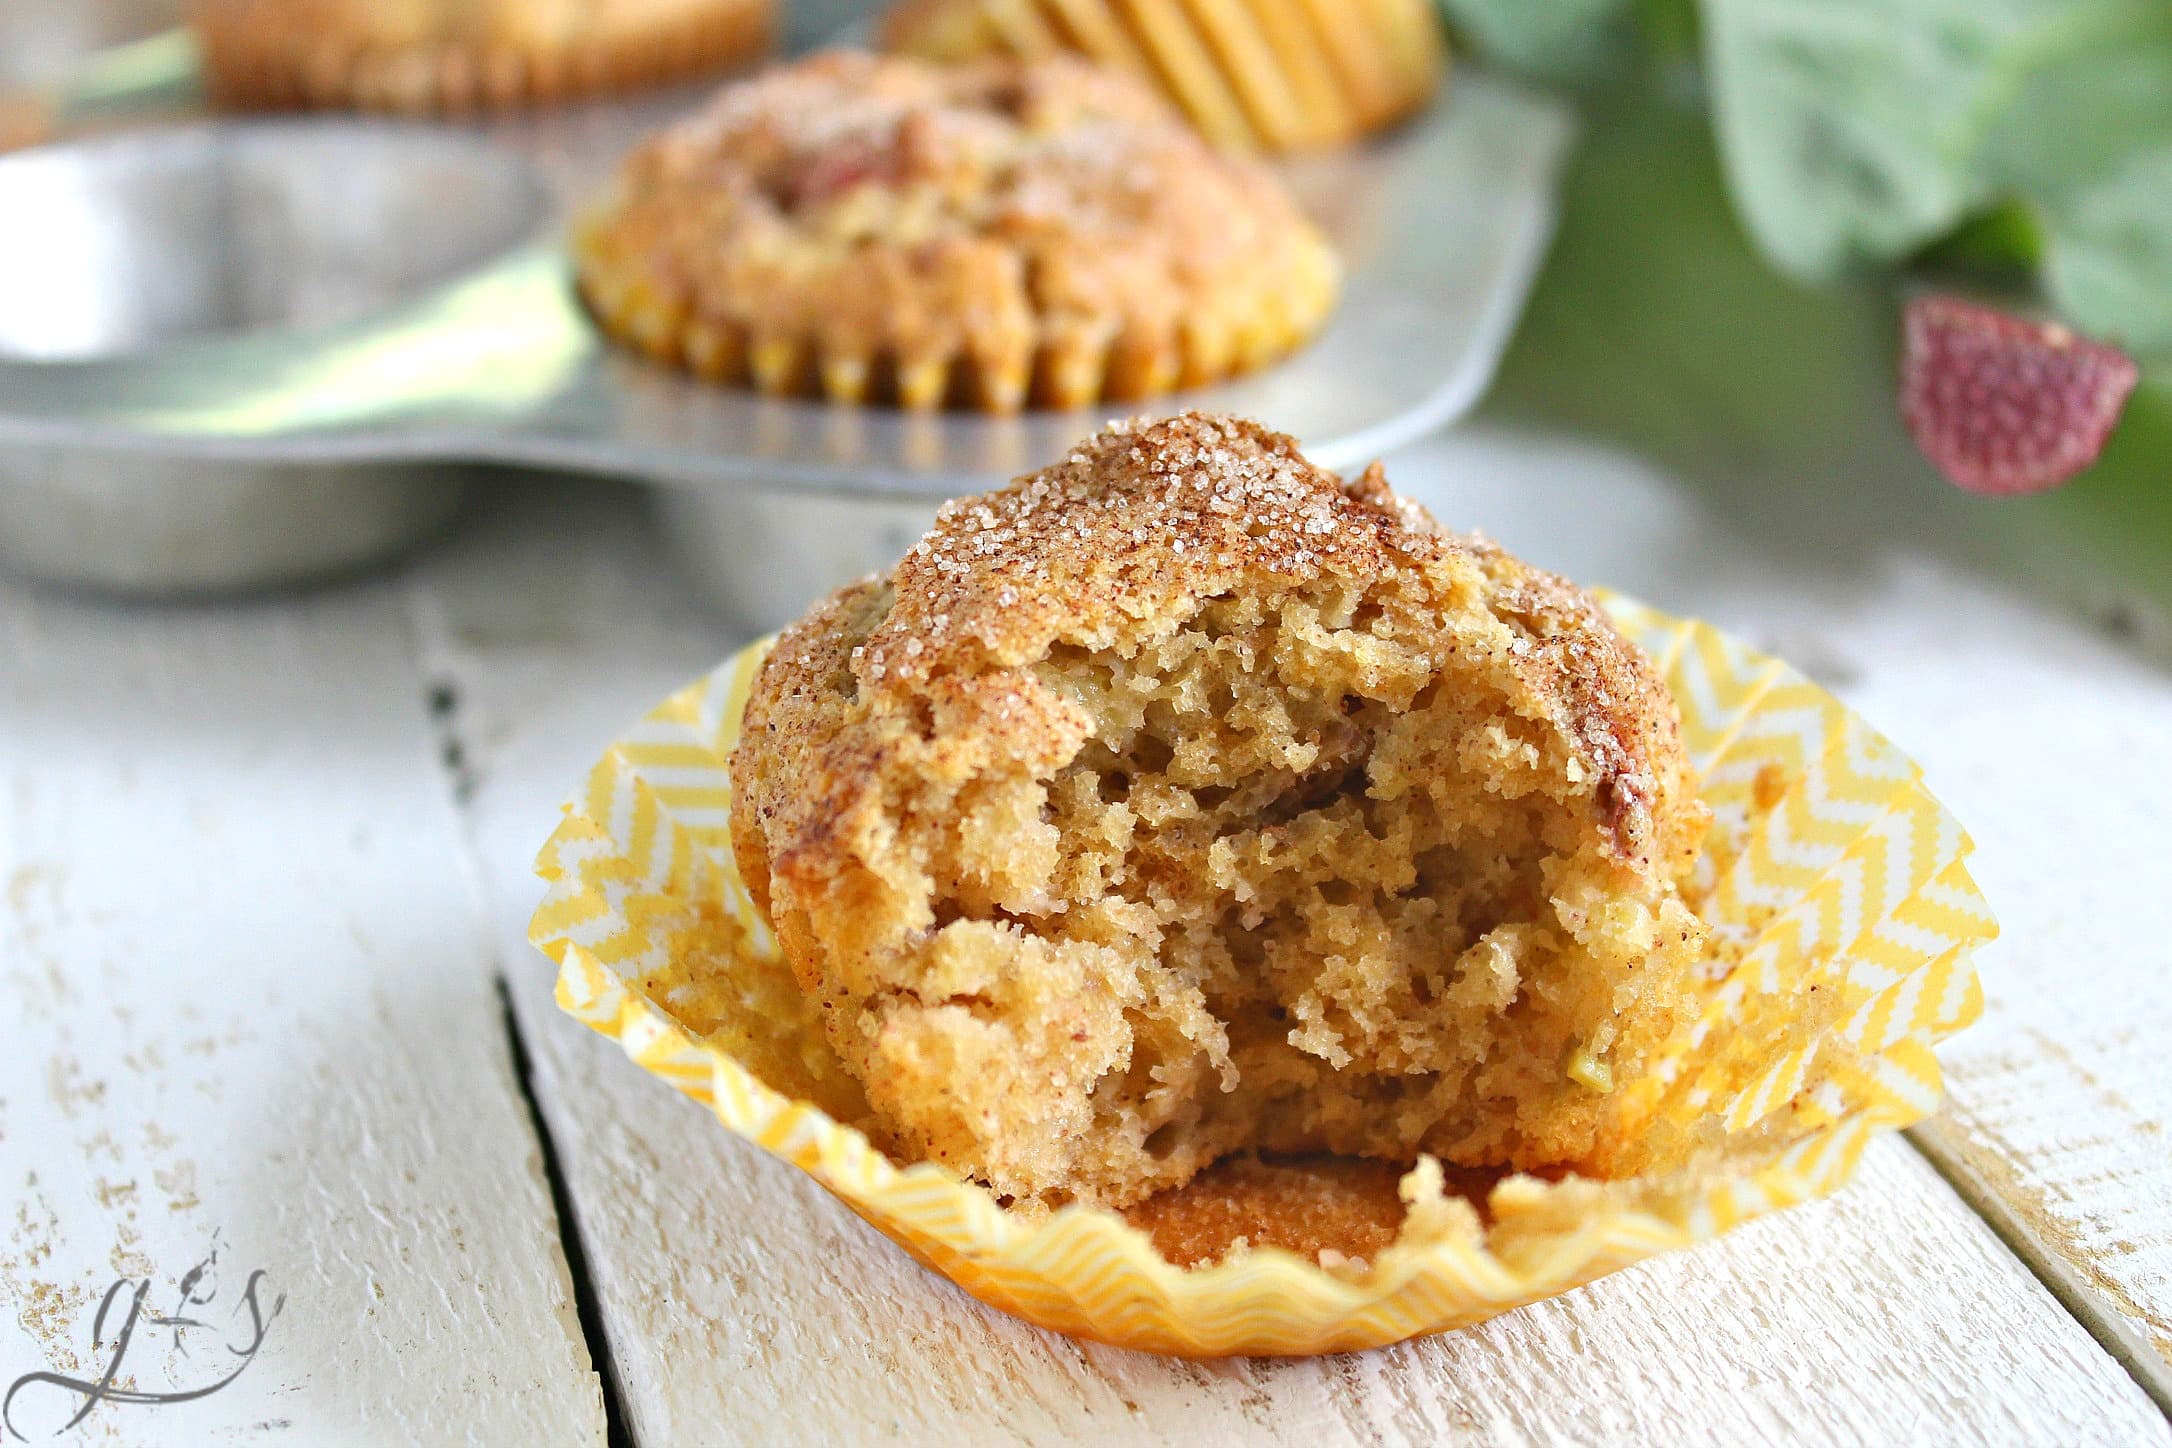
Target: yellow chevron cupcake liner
x,y
1272,74
1844,920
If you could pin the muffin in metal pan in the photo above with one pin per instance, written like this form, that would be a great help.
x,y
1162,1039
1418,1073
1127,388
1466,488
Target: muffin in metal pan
x,y
992,236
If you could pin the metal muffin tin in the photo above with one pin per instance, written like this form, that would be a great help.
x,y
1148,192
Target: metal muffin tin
x,y
175,257
240,352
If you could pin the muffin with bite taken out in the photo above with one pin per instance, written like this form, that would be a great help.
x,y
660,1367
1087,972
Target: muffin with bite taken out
x,y
1184,799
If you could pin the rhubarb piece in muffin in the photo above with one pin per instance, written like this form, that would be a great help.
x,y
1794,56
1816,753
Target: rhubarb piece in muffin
x,y
992,235
1183,799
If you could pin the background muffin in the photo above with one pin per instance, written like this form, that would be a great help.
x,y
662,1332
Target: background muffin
x,y
1271,73
429,56
1182,798
874,228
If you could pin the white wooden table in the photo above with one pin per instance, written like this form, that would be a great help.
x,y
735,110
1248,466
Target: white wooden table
x,y
263,891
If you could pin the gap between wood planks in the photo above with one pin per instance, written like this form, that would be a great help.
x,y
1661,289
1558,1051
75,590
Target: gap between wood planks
x,y
587,1306
441,704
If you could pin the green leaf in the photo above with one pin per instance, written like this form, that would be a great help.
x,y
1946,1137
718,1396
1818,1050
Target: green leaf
x,y
1859,130
1849,128
2087,138
2110,265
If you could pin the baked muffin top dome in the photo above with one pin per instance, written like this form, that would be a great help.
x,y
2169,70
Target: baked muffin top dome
x,y
1184,798
990,234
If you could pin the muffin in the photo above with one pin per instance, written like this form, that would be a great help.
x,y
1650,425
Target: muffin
x,y
1183,799
1276,74
427,57
878,229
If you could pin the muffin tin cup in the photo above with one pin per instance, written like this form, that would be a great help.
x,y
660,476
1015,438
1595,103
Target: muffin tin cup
x,y
284,252
1844,920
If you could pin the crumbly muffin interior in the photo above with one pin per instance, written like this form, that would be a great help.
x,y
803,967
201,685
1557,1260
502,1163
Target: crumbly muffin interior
x,y
1183,798
1306,884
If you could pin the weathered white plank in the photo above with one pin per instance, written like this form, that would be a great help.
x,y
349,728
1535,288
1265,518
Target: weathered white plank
x,y
2044,734
249,1009
743,1303
2049,742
